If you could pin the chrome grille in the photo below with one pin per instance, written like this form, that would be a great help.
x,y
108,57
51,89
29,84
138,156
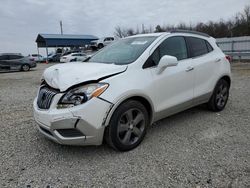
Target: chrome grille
x,y
45,97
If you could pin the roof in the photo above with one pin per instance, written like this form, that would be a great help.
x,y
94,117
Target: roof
x,y
65,40
185,32
10,54
150,34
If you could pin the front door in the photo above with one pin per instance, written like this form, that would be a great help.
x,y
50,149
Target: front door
x,y
174,87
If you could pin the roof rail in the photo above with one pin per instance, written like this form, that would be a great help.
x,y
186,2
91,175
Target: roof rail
x,y
189,31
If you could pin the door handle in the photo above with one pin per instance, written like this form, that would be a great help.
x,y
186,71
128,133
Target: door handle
x,y
189,69
217,60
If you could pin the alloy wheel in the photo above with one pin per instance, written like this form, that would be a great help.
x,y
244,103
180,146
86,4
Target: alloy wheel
x,y
221,96
131,126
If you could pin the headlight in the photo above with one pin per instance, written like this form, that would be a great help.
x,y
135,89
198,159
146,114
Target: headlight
x,y
81,95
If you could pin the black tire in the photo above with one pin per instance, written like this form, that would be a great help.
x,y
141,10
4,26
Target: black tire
x,y
220,96
25,67
100,45
127,126
73,60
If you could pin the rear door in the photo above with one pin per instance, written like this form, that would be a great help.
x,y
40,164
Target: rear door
x,y
205,65
15,62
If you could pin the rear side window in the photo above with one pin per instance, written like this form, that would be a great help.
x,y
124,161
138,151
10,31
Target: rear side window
x,y
198,46
3,57
15,57
209,47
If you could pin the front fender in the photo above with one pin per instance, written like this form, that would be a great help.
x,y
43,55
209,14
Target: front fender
x,y
127,96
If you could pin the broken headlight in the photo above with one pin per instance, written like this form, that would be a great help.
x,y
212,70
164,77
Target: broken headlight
x,y
81,94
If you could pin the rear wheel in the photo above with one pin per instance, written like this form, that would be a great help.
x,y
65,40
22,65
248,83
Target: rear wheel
x,y
127,126
220,96
25,67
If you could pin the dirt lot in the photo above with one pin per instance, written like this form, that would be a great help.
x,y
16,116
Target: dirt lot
x,y
195,148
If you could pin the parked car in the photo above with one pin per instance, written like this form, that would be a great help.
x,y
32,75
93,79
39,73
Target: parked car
x,y
71,51
130,84
37,58
15,61
100,43
73,57
54,57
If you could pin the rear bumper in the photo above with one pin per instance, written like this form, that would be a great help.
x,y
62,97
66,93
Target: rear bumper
x,y
63,60
80,125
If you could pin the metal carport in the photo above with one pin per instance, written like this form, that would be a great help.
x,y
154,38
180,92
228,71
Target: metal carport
x,y
65,40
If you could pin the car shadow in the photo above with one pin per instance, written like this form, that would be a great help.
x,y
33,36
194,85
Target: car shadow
x,y
16,71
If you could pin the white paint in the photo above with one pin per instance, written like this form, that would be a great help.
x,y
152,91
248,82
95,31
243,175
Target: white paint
x,y
63,76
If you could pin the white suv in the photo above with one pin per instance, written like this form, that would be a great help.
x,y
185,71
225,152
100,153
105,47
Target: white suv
x,y
100,43
73,57
128,85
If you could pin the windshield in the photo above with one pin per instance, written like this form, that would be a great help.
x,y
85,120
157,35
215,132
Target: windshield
x,y
123,51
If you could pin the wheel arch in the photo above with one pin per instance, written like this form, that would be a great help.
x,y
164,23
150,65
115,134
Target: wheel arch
x,y
227,79
142,99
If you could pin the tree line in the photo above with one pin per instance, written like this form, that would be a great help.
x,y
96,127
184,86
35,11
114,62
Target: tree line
x,y
239,25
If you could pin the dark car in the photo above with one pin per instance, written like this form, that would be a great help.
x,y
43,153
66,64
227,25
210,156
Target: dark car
x,y
15,61
54,57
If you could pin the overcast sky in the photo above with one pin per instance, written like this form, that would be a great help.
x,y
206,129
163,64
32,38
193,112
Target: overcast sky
x,y
22,20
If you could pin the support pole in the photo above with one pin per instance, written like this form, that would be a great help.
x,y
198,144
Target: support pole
x,y
47,54
38,53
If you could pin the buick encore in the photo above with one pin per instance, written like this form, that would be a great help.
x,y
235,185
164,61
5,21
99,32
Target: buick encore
x,y
117,93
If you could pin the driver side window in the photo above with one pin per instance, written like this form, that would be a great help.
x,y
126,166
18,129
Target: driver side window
x,y
174,46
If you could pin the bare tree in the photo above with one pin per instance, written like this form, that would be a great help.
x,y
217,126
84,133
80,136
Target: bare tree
x,y
119,32
239,25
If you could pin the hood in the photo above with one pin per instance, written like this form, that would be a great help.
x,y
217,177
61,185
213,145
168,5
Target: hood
x,y
63,76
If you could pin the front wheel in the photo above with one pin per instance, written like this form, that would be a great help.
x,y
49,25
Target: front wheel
x,y
100,45
220,96
127,126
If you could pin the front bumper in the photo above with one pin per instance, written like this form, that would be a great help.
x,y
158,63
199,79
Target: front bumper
x,y
32,64
79,125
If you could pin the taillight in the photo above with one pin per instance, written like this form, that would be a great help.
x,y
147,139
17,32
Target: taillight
x,y
229,58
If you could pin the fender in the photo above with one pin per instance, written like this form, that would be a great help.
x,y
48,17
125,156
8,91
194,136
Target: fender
x,y
124,98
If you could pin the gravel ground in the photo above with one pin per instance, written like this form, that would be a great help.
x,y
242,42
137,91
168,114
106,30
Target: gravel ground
x,y
195,148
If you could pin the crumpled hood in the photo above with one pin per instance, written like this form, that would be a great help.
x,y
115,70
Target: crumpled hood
x,y
63,76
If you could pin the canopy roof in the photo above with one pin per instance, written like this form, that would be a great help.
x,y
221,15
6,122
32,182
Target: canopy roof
x,y
65,40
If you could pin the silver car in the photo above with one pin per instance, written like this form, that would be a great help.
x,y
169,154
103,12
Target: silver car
x,y
15,61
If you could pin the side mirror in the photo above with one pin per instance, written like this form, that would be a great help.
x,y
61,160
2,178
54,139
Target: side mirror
x,y
167,61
